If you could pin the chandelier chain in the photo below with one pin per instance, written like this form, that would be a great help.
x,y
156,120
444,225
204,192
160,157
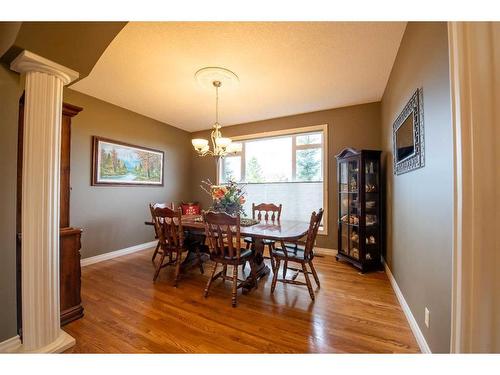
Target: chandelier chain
x,y
217,104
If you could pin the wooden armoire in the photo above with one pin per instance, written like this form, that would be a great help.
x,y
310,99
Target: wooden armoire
x,y
69,247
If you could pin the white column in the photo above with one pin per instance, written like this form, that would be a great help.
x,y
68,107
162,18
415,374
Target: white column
x,y
44,81
475,93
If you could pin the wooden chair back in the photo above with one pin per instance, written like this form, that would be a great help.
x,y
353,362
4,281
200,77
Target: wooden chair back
x,y
168,226
271,211
312,232
223,234
152,206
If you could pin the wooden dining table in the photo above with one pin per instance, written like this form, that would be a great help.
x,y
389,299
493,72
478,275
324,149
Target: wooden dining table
x,y
282,230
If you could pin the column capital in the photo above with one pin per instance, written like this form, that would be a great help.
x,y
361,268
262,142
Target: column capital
x,y
28,61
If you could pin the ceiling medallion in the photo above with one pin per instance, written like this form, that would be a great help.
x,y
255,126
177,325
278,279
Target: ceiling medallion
x,y
206,76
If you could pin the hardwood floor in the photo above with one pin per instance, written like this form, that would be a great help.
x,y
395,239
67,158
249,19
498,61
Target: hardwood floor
x,y
125,312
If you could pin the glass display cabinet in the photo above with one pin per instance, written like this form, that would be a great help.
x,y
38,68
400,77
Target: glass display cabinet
x,y
359,212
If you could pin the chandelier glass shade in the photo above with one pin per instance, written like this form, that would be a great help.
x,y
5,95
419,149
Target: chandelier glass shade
x,y
220,146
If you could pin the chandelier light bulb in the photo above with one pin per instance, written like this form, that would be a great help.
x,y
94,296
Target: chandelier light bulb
x,y
223,142
199,143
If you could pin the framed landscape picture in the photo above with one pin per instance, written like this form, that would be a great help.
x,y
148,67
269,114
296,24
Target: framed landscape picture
x,y
118,163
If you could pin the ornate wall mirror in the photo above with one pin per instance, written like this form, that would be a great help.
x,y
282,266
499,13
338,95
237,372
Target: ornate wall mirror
x,y
408,136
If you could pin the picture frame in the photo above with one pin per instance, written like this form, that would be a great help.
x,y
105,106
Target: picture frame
x,y
116,163
408,136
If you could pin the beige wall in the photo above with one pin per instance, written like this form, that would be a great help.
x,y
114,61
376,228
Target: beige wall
x,y
355,126
113,218
10,92
419,203
8,34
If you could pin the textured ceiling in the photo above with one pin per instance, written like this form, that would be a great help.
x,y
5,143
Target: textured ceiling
x,y
284,68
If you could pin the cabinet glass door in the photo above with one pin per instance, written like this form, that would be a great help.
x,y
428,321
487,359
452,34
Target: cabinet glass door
x,y
353,175
371,176
353,208
372,208
344,235
343,177
344,208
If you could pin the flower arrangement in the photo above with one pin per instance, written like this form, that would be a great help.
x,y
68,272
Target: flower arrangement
x,y
227,198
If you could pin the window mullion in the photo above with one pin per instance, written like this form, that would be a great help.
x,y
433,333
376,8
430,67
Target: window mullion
x,y
219,172
243,162
294,158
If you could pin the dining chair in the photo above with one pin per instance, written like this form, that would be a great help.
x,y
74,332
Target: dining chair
x,y
299,254
168,224
267,212
152,206
224,242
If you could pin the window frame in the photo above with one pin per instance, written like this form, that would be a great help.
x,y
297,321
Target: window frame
x,y
294,132
296,147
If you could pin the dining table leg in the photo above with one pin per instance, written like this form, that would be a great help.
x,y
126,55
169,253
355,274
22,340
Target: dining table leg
x,y
197,252
259,268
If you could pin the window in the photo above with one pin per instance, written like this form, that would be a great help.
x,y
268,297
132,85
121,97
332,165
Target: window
x,y
287,168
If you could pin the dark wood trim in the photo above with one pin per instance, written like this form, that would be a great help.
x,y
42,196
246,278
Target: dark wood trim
x,y
68,111
93,173
70,274
71,314
71,110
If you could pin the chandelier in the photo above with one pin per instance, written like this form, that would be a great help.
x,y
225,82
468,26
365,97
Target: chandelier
x,y
221,146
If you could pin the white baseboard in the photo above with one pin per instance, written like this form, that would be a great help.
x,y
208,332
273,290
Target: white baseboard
x,y
424,348
14,345
11,345
117,253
